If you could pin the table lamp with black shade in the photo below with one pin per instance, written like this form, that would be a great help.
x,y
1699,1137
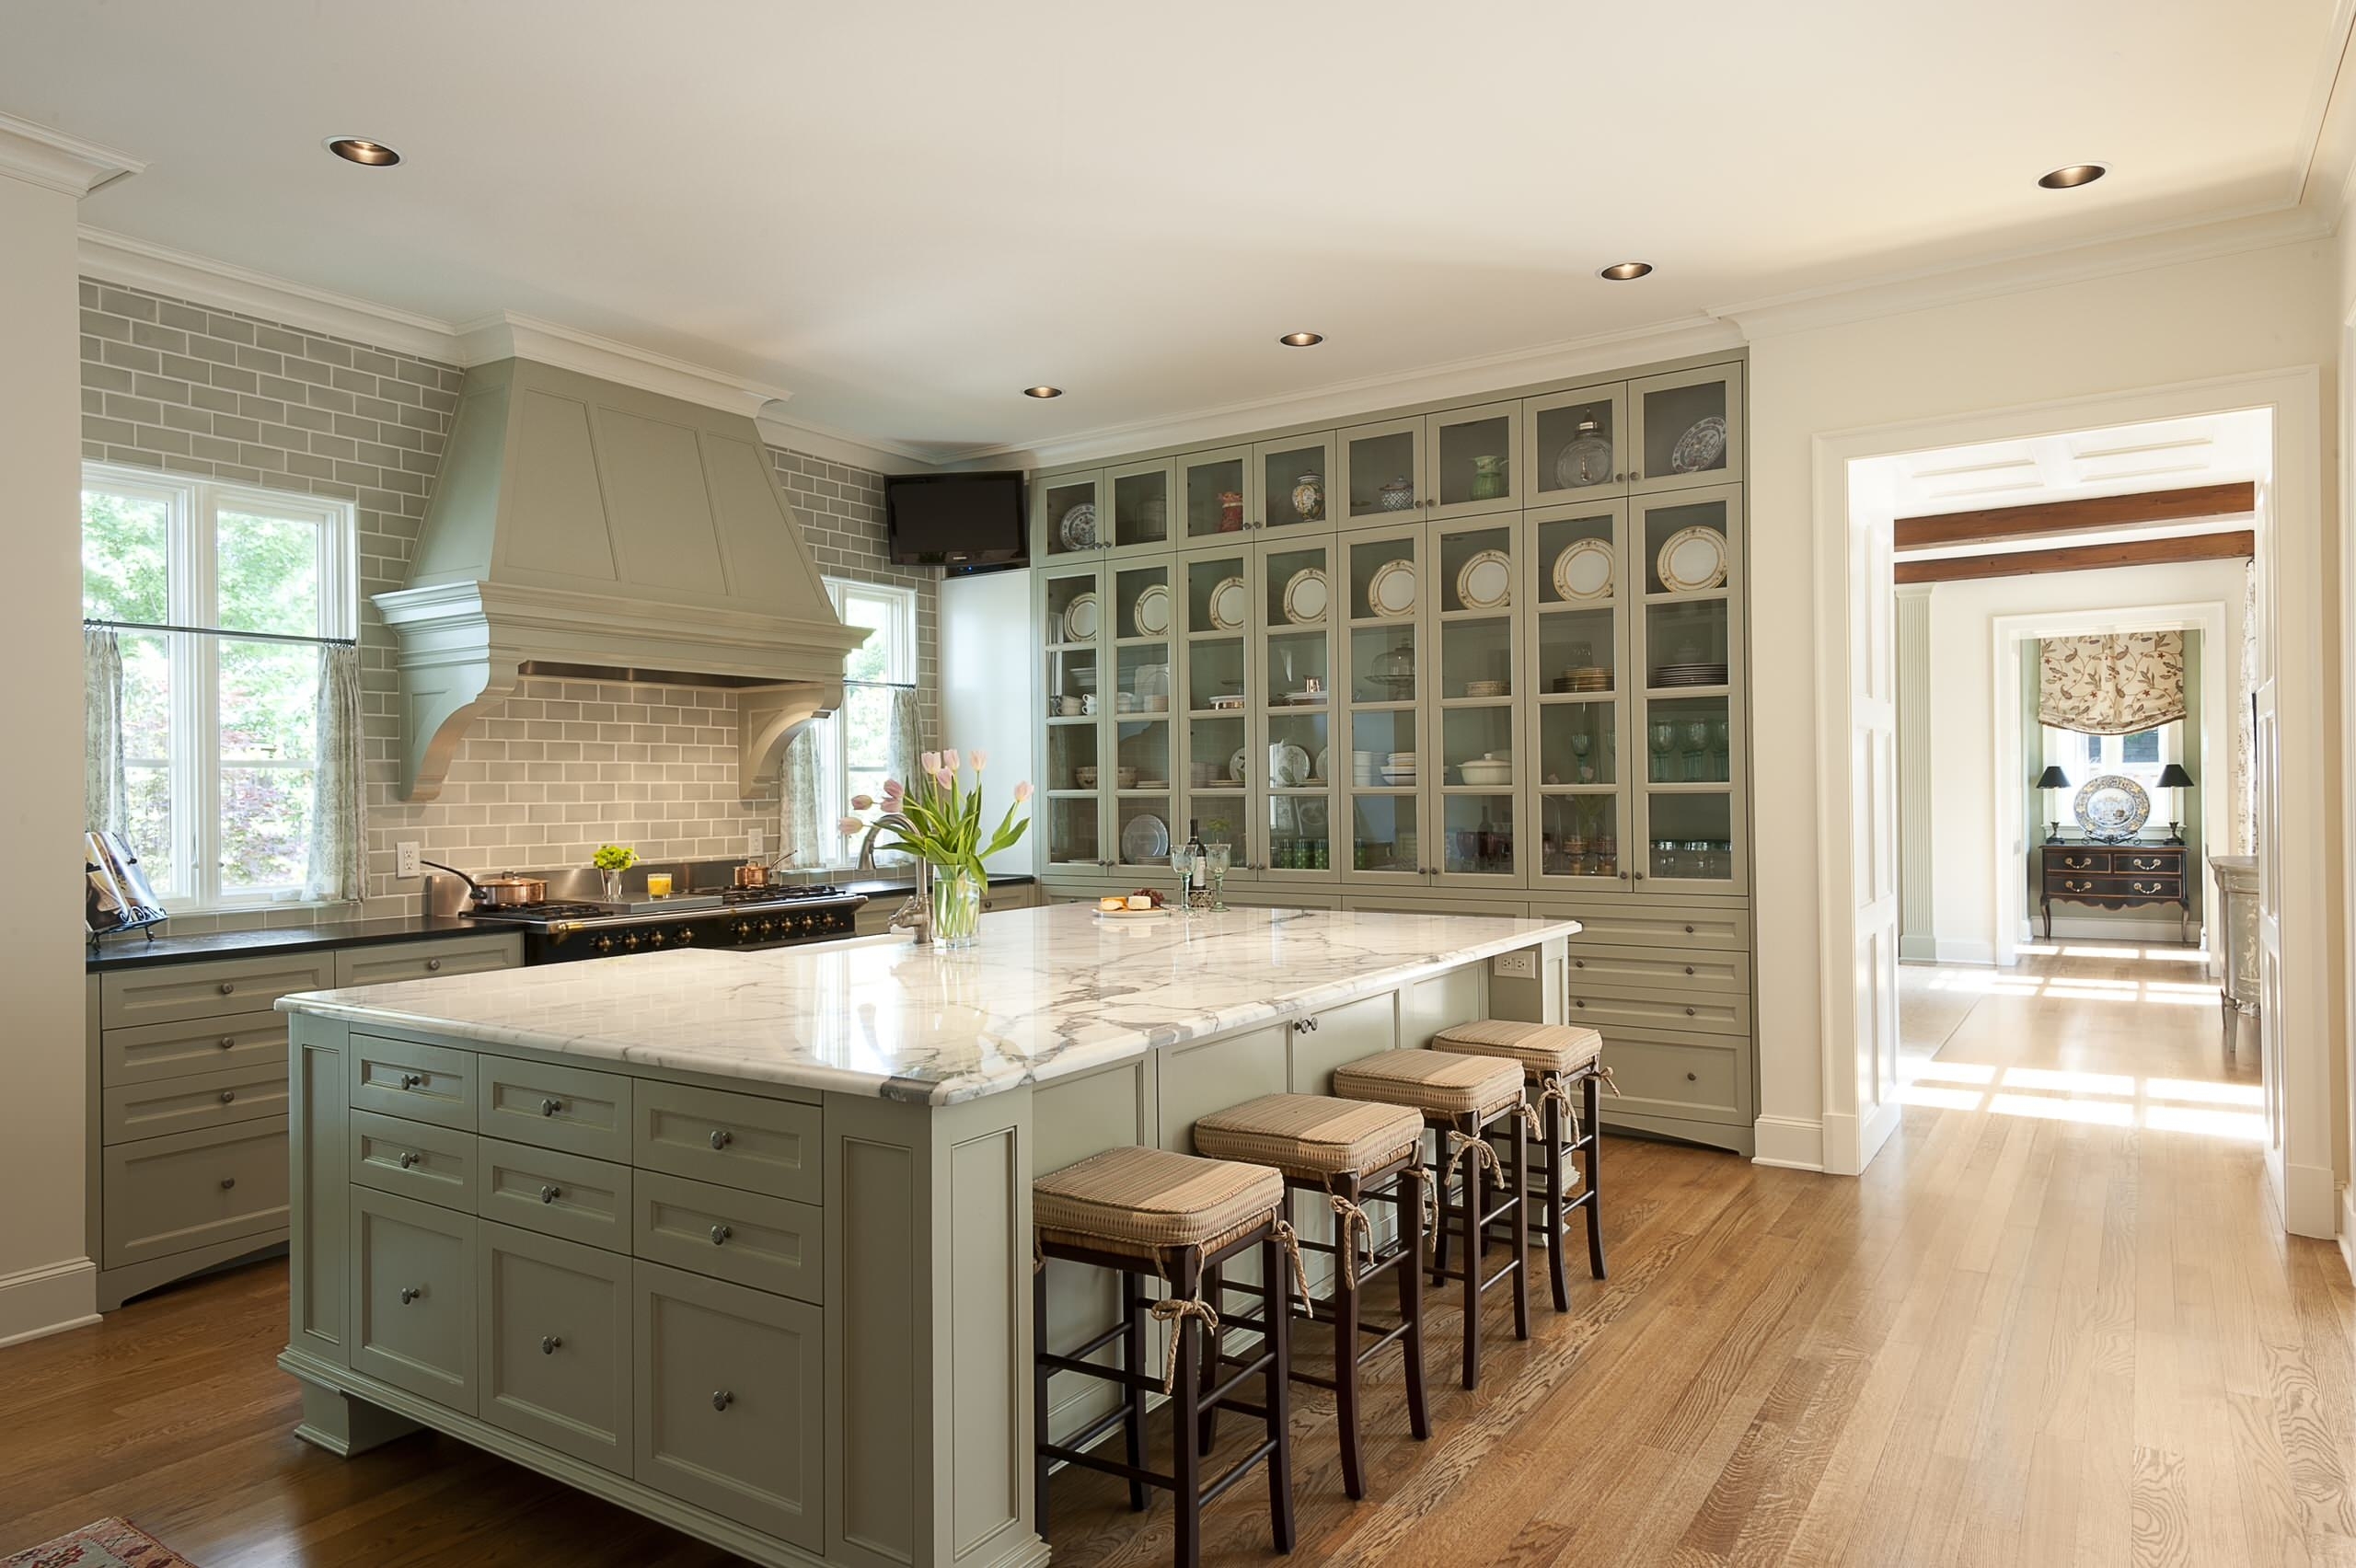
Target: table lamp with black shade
x,y
2173,776
2052,778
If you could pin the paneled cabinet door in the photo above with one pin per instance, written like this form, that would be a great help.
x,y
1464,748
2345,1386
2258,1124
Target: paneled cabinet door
x,y
1379,481
1068,515
1218,667
730,1396
1472,764
1142,498
556,1343
1692,819
1142,613
1383,589
1472,460
1074,690
1685,429
414,1296
1293,474
1218,489
1294,616
1575,582
1577,446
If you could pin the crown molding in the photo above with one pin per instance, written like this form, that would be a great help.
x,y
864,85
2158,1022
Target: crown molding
x,y
509,335
836,447
55,161
118,258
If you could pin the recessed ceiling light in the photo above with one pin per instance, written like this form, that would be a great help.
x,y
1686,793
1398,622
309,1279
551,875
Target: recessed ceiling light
x,y
1042,391
1301,339
2071,176
1625,271
360,150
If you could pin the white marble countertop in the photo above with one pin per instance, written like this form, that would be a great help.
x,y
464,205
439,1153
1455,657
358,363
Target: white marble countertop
x,y
1046,992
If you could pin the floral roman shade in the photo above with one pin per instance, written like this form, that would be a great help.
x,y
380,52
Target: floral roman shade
x,y
2113,685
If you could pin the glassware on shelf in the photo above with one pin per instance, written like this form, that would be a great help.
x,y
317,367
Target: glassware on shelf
x,y
1697,742
1587,460
1182,860
1721,751
1215,857
1664,740
1581,745
1396,670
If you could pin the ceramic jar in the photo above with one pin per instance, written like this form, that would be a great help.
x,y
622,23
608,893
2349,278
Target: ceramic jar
x,y
1399,495
1488,479
1231,511
1309,497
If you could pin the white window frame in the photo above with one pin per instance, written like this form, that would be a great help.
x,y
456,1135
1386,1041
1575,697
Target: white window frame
x,y
899,669
192,584
2105,749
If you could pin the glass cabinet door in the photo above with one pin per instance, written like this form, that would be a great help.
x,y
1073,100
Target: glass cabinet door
x,y
1142,612
1688,647
1474,761
1140,499
1575,582
1381,479
1072,611
1294,605
1214,594
1216,489
1066,515
1472,461
1384,603
1687,429
1574,443
1293,475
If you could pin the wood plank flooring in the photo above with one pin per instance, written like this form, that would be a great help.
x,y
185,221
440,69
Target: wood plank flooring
x,y
2056,1323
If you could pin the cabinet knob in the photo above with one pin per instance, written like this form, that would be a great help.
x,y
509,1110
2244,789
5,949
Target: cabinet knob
x,y
550,1195
551,1107
227,987
1306,1025
720,1233
1581,963
1578,1001
228,1041
1640,876
413,1080
721,1137
550,1342
432,964
722,1399
410,1293
1689,969
1692,1077
1635,473
227,1095
227,1183
1688,931
408,1159
1689,1012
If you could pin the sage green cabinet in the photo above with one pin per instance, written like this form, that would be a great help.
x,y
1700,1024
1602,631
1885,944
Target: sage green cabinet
x,y
175,993
414,1296
575,1109
413,1080
155,1107
1381,477
416,1159
1671,421
735,1140
1066,511
385,962
1140,497
1292,476
767,1243
1472,460
563,1194
1576,446
188,1191
555,1352
155,1050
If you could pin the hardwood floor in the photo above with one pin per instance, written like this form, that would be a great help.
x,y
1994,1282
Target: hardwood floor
x,y
2057,1322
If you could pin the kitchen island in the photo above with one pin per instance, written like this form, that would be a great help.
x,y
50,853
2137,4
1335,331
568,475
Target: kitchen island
x,y
741,1241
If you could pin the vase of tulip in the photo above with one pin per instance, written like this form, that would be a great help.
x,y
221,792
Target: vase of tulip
x,y
938,818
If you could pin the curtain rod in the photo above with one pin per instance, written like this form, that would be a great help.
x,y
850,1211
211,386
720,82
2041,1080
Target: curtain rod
x,y
884,686
223,631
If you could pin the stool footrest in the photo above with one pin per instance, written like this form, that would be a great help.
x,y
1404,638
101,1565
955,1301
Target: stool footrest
x,y
1243,1465
1088,1460
1120,1374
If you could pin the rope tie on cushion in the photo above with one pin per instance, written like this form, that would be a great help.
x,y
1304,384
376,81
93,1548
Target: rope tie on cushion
x,y
1605,1074
1038,1253
1530,1124
1289,1240
1458,1143
1349,1219
1176,1309
1558,1090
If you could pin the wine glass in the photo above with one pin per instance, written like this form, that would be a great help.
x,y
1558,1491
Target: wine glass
x,y
1182,860
1215,857
1697,739
1581,743
1720,744
1664,740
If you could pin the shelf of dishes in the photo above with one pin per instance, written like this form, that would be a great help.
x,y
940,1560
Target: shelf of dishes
x,y
1637,436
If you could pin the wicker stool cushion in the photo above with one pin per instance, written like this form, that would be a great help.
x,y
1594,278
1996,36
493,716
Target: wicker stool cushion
x,y
1150,1200
1542,1049
1437,1083
1311,1136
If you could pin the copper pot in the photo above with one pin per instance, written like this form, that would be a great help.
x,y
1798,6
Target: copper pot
x,y
504,891
751,875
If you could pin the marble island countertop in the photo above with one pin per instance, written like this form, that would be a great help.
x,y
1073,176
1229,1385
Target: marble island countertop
x,y
1046,993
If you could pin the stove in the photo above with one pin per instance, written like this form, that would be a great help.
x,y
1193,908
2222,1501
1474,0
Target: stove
x,y
742,918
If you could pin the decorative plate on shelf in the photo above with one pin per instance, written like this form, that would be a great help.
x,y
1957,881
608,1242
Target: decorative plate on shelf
x,y
1078,529
1390,592
1080,618
1152,611
1583,571
1287,765
1692,559
1235,763
1229,607
1147,838
2111,808
1702,447
1485,581
1305,597
1324,770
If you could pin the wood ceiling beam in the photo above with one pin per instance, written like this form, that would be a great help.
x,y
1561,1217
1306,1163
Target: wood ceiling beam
x,y
2078,558
2090,514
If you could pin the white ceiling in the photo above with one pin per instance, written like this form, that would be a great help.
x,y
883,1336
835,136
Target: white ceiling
x,y
906,213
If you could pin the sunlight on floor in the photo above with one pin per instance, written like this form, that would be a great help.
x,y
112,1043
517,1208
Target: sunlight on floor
x,y
2100,1099
2075,988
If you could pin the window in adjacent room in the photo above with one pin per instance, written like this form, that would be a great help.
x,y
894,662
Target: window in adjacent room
x,y
856,743
2139,756
219,730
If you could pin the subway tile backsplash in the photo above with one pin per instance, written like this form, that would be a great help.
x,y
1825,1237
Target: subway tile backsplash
x,y
565,765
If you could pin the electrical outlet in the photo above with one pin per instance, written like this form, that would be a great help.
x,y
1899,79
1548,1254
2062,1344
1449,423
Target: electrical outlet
x,y
405,859
1520,965
756,843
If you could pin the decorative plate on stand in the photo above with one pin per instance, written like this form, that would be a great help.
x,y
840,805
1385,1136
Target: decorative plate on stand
x,y
2111,809
1485,581
1583,571
1305,597
1229,607
1081,619
1390,592
1078,527
1692,561
1152,611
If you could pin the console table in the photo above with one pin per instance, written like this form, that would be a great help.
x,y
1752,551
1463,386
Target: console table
x,y
2117,876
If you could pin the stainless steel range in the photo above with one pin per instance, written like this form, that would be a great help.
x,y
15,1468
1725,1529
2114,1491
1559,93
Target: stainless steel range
x,y
737,918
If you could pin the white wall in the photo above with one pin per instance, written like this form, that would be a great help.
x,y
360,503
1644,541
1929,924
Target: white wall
x,y
1965,703
985,653
45,1279
2238,314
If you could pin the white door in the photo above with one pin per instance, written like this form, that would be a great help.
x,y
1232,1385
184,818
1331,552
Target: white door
x,y
1871,895
2266,763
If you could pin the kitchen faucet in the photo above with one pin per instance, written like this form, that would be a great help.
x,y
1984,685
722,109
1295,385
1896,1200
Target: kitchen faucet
x,y
916,914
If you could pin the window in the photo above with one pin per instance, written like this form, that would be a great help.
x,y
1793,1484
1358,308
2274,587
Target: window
x,y
218,743
2139,756
855,745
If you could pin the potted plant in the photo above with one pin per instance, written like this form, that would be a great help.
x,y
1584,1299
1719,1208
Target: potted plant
x,y
612,860
939,821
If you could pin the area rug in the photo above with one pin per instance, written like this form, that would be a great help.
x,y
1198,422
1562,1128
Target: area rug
x,y
109,1543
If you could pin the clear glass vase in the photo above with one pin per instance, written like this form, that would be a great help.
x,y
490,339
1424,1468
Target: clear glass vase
x,y
956,908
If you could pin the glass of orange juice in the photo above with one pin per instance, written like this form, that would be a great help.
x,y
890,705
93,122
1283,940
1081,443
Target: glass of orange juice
x,y
658,885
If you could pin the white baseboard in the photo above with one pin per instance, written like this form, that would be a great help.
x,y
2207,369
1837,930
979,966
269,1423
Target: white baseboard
x,y
2311,1201
2347,1229
1790,1143
1954,950
1876,1131
2157,932
47,1300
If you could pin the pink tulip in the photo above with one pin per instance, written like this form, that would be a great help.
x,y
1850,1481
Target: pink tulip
x,y
943,778
893,794
851,827
980,759
1023,792
930,762
862,803
949,761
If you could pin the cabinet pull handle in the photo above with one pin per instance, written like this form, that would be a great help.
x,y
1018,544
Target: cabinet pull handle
x,y
550,1195
410,1293
1689,969
722,1399
720,1233
1640,876
227,1095
2138,887
407,1158
227,987
228,1040
721,1137
549,1343
551,1107
413,1080
227,1183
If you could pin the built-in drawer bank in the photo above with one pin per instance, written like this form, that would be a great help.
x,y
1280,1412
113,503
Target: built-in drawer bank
x,y
417,1159
194,1103
771,1244
1602,970
177,992
548,1189
189,1190
418,1082
382,964
574,1109
157,1051
735,1140
1712,1012
1695,1078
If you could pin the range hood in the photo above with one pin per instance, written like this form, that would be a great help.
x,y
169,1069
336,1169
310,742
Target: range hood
x,y
584,528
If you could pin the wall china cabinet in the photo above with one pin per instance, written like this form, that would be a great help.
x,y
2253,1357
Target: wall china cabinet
x,y
1489,657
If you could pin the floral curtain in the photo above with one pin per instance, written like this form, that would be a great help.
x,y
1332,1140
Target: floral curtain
x,y
105,793
808,826
905,741
2112,684
338,867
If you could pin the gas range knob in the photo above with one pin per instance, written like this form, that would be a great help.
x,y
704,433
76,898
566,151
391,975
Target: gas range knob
x,y
768,927
742,930
684,935
655,939
630,941
604,945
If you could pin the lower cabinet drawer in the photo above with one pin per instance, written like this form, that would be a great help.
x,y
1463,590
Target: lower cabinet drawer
x,y
2113,886
192,1103
417,1082
767,1243
187,1190
563,1194
737,1140
384,961
556,1343
574,1109
414,1296
730,1400
1652,970
1643,927
1713,1012
175,993
416,1159
1695,1080
174,1049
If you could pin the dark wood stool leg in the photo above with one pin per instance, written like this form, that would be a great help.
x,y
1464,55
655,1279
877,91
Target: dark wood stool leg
x,y
1521,1220
1441,1175
1593,1167
1276,1295
1556,1229
1186,1458
1134,1355
1469,1218
1411,1295
1345,1350
1212,1280
1039,1396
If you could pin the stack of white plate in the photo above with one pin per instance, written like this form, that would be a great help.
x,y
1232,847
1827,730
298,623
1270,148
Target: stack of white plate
x,y
1399,768
1690,675
1364,767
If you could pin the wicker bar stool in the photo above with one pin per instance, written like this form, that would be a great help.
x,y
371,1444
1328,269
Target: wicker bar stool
x,y
1150,1214
1462,1099
1555,1058
1347,1153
